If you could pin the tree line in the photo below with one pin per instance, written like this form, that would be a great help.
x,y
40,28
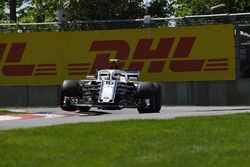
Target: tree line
x,y
79,10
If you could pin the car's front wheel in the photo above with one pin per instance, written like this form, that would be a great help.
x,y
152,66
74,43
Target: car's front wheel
x,y
70,88
149,97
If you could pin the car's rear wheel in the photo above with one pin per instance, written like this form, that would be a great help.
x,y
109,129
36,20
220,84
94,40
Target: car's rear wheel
x,y
70,88
158,97
149,97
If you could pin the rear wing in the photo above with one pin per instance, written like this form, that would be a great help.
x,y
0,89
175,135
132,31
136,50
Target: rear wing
x,y
133,75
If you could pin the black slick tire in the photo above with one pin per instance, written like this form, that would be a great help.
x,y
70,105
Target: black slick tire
x,y
70,88
151,91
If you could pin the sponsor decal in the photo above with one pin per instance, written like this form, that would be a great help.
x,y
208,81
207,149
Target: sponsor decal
x,y
14,67
160,54
78,69
179,62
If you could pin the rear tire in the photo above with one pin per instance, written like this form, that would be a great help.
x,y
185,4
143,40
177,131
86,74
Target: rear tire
x,y
70,88
151,91
158,97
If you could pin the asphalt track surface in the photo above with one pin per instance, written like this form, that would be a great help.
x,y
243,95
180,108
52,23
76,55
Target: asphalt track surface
x,y
55,116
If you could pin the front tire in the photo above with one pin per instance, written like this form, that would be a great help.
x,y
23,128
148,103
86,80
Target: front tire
x,y
70,88
149,93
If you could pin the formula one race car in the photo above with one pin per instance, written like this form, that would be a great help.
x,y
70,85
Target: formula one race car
x,y
111,89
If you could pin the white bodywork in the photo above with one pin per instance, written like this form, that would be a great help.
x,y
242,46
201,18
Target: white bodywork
x,y
111,89
109,79
107,93
117,75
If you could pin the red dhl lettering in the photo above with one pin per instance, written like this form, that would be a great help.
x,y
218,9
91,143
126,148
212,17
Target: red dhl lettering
x,y
179,62
157,58
12,66
2,49
143,51
78,69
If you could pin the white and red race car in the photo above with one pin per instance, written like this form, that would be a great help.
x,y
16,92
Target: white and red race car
x,y
111,89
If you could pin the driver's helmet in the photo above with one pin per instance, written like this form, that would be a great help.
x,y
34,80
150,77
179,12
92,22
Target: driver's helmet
x,y
108,77
116,76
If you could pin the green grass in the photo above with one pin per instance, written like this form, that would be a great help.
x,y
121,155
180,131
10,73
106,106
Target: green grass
x,y
7,112
4,112
221,141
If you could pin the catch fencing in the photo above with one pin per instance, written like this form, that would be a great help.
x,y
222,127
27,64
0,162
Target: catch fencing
x,y
242,20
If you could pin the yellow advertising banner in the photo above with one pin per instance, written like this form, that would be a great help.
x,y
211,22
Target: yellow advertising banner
x,y
192,53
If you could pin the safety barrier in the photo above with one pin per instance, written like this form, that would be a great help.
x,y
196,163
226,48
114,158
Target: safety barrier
x,y
205,93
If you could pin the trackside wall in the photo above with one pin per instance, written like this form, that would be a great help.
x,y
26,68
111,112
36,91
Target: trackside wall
x,y
212,93
209,93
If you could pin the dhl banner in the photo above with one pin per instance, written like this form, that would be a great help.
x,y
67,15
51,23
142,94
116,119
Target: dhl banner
x,y
193,53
